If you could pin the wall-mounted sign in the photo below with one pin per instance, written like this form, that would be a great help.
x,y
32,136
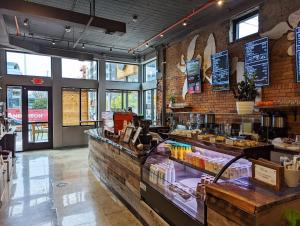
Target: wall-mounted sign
x,y
220,71
297,34
37,81
257,61
193,71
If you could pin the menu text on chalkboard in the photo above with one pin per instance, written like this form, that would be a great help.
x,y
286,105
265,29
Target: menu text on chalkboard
x,y
257,61
220,71
193,71
298,53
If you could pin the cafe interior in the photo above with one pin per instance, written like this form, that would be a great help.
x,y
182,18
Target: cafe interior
x,y
158,113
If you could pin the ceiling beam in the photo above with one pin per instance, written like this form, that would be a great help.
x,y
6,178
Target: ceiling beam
x,y
12,7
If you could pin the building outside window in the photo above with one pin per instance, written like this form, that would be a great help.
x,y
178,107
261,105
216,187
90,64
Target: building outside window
x,y
245,25
79,69
26,64
150,71
79,105
122,72
117,100
150,105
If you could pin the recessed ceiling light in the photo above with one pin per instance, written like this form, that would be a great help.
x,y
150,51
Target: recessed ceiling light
x,y
220,2
68,28
134,18
26,22
184,23
53,42
162,35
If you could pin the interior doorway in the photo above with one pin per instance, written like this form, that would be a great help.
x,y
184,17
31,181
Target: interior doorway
x,y
30,109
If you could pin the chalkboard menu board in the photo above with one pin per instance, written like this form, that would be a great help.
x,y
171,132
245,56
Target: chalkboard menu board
x,y
220,71
257,61
193,76
298,53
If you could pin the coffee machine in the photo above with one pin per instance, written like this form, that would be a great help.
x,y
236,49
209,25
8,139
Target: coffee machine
x,y
273,125
279,125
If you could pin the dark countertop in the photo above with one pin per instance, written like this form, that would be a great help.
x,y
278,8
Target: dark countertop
x,y
250,197
128,149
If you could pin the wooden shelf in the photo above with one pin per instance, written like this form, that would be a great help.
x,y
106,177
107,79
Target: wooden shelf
x,y
278,107
293,108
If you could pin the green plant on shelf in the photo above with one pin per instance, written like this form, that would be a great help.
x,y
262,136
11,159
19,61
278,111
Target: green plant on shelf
x,y
246,90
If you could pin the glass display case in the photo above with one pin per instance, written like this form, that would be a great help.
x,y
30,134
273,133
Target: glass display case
x,y
174,176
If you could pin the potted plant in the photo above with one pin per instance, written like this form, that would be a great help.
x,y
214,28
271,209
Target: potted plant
x,y
171,100
245,94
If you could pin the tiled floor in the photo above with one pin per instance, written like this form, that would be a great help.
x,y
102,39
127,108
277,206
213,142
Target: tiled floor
x,y
57,188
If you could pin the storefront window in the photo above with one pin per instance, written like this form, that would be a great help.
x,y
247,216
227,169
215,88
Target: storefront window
x,y
28,64
79,105
122,72
150,71
150,105
79,69
121,99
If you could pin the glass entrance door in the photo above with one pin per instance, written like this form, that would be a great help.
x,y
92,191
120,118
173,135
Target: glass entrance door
x,y
37,118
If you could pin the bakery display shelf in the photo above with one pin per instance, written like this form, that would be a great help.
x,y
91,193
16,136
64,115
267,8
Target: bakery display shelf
x,y
194,167
262,149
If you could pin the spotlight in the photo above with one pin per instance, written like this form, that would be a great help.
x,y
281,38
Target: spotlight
x,y
133,53
161,35
82,46
26,22
68,28
220,2
110,49
147,44
134,18
53,42
184,23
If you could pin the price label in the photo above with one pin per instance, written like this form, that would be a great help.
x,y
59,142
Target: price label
x,y
229,142
212,139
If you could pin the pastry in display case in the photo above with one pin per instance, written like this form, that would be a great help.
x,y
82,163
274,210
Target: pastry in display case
x,y
174,177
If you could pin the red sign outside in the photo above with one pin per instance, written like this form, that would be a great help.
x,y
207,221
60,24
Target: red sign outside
x,y
34,115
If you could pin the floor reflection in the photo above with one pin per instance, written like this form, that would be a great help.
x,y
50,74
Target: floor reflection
x,y
51,188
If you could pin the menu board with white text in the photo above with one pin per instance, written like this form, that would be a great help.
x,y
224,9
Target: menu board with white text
x,y
257,61
220,71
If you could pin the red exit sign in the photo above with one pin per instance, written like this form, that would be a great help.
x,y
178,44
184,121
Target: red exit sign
x,y
37,81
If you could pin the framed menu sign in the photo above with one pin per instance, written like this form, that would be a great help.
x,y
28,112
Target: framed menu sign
x,y
268,174
193,72
220,71
297,34
257,61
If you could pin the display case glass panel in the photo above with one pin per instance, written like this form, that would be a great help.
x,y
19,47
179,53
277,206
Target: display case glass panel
x,y
180,172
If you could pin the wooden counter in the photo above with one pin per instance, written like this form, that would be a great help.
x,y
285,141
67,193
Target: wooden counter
x,y
119,166
241,202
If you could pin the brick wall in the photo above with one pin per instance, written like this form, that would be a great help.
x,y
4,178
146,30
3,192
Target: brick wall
x,y
283,88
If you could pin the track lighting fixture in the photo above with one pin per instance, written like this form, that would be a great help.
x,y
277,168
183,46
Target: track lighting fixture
x,y
26,22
